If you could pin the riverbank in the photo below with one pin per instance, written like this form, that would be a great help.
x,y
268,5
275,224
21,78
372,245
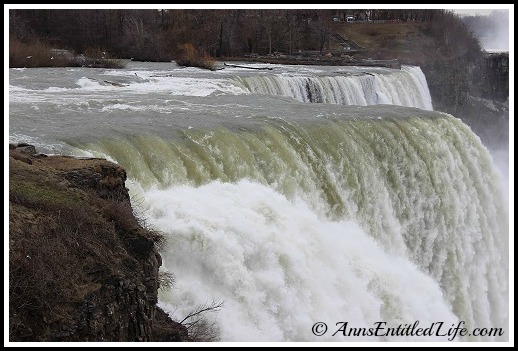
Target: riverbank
x,y
320,60
37,54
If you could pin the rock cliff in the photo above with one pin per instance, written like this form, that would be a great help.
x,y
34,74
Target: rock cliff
x,y
81,267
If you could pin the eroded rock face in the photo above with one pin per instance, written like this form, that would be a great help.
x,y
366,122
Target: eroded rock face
x,y
81,266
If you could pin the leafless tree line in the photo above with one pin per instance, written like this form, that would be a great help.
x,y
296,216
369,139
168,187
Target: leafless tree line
x,y
156,35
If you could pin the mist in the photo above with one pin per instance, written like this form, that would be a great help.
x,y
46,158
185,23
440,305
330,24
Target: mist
x,y
501,160
492,30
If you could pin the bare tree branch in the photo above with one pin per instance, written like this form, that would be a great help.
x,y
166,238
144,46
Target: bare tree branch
x,y
215,306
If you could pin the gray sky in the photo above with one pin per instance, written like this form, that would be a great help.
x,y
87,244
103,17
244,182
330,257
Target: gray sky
x,y
473,12
479,10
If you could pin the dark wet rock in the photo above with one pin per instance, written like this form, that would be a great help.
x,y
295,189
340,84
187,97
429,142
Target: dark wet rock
x,y
81,266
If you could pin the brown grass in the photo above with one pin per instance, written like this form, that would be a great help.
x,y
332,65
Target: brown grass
x,y
57,255
38,54
64,244
190,57
35,54
68,240
404,41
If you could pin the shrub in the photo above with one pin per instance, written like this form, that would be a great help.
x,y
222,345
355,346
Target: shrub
x,y
189,56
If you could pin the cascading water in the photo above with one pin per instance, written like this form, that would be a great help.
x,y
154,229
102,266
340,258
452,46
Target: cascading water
x,y
405,87
285,216
294,213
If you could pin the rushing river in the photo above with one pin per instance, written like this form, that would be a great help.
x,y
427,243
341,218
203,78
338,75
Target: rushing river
x,y
294,194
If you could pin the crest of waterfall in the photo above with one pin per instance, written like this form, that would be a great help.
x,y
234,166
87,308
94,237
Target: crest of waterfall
x,y
405,87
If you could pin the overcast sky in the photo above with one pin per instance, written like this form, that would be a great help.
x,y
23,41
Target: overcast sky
x,y
478,11
473,12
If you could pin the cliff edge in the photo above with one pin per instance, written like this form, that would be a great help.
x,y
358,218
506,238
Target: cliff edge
x,y
81,267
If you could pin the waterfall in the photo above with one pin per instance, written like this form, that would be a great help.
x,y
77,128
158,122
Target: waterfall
x,y
297,195
405,87
387,219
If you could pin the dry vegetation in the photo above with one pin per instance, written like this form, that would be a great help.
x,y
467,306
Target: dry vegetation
x,y
417,43
411,35
189,56
73,235
63,244
404,41
37,54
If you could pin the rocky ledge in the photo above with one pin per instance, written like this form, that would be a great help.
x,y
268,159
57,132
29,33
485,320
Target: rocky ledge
x,y
81,267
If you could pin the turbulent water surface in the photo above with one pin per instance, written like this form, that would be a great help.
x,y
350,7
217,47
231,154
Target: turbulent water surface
x,y
296,195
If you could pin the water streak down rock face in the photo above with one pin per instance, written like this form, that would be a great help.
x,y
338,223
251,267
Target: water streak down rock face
x,y
81,267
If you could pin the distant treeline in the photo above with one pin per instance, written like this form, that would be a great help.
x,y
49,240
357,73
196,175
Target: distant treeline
x,y
159,35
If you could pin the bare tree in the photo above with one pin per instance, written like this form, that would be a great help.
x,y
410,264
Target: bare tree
x,y
199,328
322,27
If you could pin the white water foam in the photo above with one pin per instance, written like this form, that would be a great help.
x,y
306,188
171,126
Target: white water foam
x,y
280,268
